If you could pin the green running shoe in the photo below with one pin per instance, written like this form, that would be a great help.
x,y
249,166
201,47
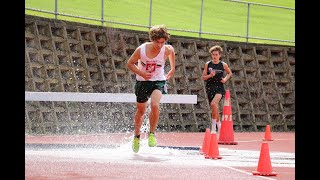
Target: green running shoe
x,y
152,140
136,144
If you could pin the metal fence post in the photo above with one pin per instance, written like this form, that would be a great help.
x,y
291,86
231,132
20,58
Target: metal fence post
x,y
102,12
150,14
56,9
248,19
201,10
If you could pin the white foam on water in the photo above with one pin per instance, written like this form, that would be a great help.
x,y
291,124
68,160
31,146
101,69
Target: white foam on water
x,y
160,155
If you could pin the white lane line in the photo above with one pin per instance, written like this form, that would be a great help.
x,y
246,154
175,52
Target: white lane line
x,y
271,141
263,177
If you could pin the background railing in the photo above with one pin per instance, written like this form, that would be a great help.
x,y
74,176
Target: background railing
x,y
248,28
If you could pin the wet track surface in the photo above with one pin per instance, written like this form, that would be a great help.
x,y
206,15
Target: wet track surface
x,y
176,157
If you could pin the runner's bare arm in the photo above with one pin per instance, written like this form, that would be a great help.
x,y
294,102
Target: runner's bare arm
x,y
131,64
228,71
172,59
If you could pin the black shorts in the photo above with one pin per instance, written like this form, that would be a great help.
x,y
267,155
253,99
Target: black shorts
x,y
211,92
143,89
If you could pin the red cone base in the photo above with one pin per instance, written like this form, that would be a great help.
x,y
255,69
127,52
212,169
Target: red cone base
x,y
216,157
264,173
228,143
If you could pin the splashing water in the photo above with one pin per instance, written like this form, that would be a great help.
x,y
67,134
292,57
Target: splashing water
x,y
145,125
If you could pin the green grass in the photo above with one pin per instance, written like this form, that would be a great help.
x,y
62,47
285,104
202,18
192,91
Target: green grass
x,y
220,17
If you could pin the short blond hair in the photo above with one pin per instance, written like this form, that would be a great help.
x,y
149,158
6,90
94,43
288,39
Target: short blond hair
x,y
216,48
158,31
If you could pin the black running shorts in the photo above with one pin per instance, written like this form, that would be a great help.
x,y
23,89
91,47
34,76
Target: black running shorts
x,y
143,89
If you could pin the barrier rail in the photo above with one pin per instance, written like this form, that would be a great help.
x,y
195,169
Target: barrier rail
x,y
104,97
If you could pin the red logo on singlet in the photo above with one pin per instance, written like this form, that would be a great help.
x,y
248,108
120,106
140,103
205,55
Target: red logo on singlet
x,y
151,66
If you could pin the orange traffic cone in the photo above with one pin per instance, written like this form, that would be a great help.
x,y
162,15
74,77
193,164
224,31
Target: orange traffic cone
x,y
206,142
213,148
264,165
226,132
267,134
